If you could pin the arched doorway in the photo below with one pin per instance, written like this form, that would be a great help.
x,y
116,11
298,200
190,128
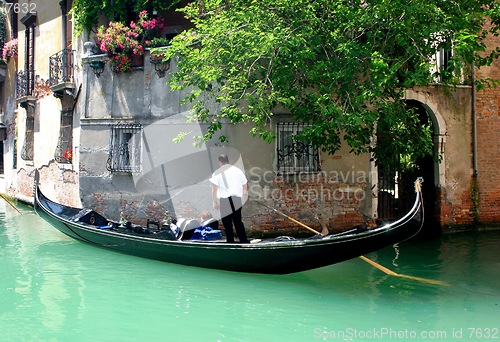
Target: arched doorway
x,y
396,183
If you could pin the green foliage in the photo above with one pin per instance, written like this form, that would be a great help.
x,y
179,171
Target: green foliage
x,y
396,136
3,27
86,13
158,42
341,64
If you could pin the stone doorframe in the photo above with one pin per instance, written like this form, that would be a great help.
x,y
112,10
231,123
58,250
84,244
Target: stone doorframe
x,y
427,99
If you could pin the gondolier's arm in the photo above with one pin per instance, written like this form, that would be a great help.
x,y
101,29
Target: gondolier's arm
x,y
215,200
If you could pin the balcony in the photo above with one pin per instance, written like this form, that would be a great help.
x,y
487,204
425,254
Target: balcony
x,y
61,68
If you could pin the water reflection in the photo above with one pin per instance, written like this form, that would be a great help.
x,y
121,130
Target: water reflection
x,y
37,276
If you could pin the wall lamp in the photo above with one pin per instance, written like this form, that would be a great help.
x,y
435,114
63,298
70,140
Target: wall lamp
x,y
161,66
97,66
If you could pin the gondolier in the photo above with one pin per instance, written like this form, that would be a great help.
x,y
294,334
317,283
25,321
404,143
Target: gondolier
x,y
229,185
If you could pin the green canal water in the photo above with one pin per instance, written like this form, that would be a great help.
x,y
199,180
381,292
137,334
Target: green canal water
x,y
55,289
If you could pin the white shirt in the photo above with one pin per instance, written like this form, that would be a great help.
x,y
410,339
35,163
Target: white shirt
x,y
229,180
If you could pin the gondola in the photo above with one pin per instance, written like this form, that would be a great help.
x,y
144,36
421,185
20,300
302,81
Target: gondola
x,y
270,256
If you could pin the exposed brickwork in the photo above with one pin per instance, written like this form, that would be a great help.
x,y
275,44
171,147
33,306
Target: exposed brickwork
x,y
462,213
444,207
488,144
25,183
339,205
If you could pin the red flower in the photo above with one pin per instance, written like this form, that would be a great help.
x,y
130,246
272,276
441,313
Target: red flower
x,y
68,154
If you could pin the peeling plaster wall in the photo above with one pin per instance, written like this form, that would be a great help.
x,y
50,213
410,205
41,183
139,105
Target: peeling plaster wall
x,y
61,179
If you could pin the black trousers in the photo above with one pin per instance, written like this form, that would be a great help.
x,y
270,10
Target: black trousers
x,y
230,211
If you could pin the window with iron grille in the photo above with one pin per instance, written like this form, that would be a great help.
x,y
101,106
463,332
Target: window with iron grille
x,y
29,137
125,148
445,57
14,155
28,86
64,149
1,157
294,155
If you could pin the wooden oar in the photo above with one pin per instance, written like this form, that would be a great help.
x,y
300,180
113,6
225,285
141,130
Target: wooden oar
x,y
12,205
371,262
392,273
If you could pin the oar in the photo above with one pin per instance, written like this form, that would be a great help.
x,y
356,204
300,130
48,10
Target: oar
x,y
12,205
371,262
392,273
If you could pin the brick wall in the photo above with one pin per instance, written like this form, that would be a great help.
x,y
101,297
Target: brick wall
x,y
338,205
488,143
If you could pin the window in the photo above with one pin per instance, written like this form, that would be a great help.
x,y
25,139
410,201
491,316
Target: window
x,y
125,148
14,155
64,149
294,155
444,66
1,157
26,85
29,137
29,20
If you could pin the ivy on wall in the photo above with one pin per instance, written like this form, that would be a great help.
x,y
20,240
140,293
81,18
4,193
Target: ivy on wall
x,y
86,13
3,27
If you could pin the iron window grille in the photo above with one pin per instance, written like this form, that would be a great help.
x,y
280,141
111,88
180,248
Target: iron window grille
x,y
14,155
64,149
125,148
26,78
29,137
294,155
25,84
1,158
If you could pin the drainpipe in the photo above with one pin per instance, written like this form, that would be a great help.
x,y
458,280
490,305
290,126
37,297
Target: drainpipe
x,y
475,207
64,42
64,12
474,132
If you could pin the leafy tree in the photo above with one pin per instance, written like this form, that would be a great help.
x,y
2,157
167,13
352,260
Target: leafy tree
x,y
342,65
86,13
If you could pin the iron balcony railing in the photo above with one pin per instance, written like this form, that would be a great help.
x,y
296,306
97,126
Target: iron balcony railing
x,y
61,67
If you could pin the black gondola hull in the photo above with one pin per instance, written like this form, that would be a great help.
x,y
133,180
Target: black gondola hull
x,y
273,257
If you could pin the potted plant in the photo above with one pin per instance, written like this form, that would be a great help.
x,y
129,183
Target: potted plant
x,y
10,49
121,62
68,154
150,28
125,43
